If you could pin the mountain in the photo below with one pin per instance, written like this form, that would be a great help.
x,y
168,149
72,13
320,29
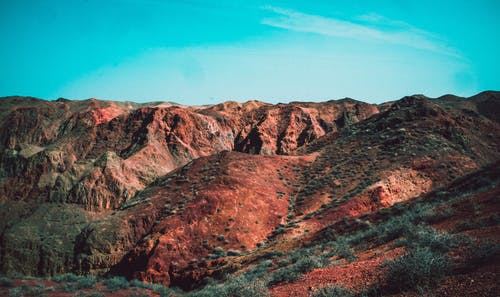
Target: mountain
x,y
174,194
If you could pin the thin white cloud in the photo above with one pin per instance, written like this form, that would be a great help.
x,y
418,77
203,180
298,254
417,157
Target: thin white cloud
x,y
368,27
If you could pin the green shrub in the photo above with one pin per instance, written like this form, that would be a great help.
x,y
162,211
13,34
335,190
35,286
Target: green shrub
x,y
157,288
117,283
67,287
72,283
300,254
343,249
27,291
86,282
332,292
16,292
219,251
421,267
283,262
67,278
6,282
307,264
161,290
259,270
384,232
284,274
208,291
303,261
233,252
242,287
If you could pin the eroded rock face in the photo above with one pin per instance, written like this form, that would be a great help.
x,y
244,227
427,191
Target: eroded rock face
x,y
283,128
98,154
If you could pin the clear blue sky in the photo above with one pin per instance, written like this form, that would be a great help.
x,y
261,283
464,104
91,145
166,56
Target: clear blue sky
x,y
198,52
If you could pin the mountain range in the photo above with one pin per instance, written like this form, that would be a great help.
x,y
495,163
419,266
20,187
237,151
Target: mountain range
x,y
296,199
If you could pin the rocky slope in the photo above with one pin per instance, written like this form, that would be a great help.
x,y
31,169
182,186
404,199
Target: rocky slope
x,y
97,155
173,194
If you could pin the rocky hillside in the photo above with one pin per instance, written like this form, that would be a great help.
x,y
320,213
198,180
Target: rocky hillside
x,y
98,154
173,194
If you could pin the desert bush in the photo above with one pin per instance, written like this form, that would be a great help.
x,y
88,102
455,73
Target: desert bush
x,y
293,272
283,262
421,267
67,287
157,288
233,252
285,274
259,270
87,282
428,237
334,291
389,230
161,290
342,248
16,292
307,264
272,254
219,251
68,277
392,229
242,287
6,282
116,283
239,286
72,283
300,254
208,291
27,291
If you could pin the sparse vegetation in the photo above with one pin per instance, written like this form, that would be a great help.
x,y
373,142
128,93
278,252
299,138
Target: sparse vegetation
x,y
334,291
138,294
240,286
116,283
6,282
68,278
419,269
157,288
293,272
38,290
72,283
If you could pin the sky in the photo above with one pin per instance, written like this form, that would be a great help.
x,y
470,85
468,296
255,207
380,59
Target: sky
x,y
204,52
